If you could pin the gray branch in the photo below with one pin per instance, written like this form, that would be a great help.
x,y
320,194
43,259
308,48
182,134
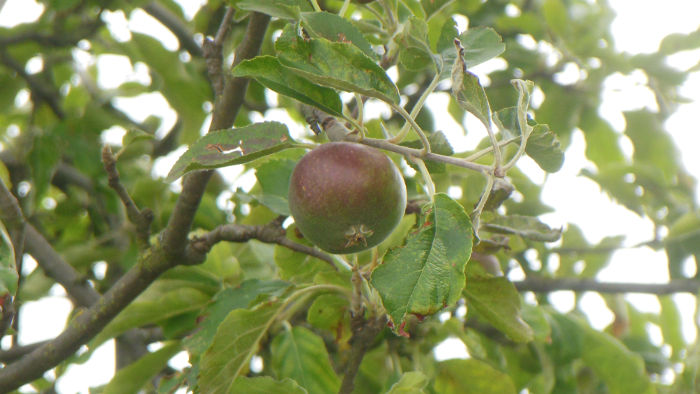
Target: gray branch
x,y
541,285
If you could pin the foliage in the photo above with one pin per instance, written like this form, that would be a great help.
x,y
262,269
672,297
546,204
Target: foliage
x,y
211,267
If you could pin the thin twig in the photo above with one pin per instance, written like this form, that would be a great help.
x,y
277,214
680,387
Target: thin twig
x,y
39,90
169,142
476,155
106,103
525,128
455,161
213,53
140,218
225,26
476,214
541,285
416,128
344,8
176,26
83,31
417,108
271,232
340,132
427,179
314,4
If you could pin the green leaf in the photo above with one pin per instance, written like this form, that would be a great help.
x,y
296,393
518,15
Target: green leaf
x,y
412,382
413,6
544,148
542,144
223,303
445,43
621,370
414,50
481,44
524,89
471,377
152,311
500,192
236,341
266,385
232,146
470,94
498,301
651,144
432,7
8,271
507,121
671,325
556,16
45,155
273,178
612,181
136,375
133,135
301,355
438,144
5,175
525,226
335,28
682,241
328,312
285,9
427,273
337,65
602,142
298,267
535,317
270,73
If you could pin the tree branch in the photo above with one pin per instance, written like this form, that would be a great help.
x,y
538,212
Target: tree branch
x,y
225,111
55,267
271,232
11,216
152,263
176,26
17,352
10,212
140,218
364,332
213,53
86,324
540,285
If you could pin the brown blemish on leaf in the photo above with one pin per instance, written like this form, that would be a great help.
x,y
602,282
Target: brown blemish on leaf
x,y
217,147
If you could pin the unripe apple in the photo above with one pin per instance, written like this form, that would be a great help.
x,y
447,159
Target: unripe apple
x,y
346,197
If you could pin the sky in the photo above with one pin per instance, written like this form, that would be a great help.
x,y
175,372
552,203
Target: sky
x,y
638,28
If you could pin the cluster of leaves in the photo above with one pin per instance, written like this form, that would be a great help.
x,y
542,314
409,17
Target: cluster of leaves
x,y
295,312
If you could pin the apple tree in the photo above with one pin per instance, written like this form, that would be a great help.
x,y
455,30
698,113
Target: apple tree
x,y
205,257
